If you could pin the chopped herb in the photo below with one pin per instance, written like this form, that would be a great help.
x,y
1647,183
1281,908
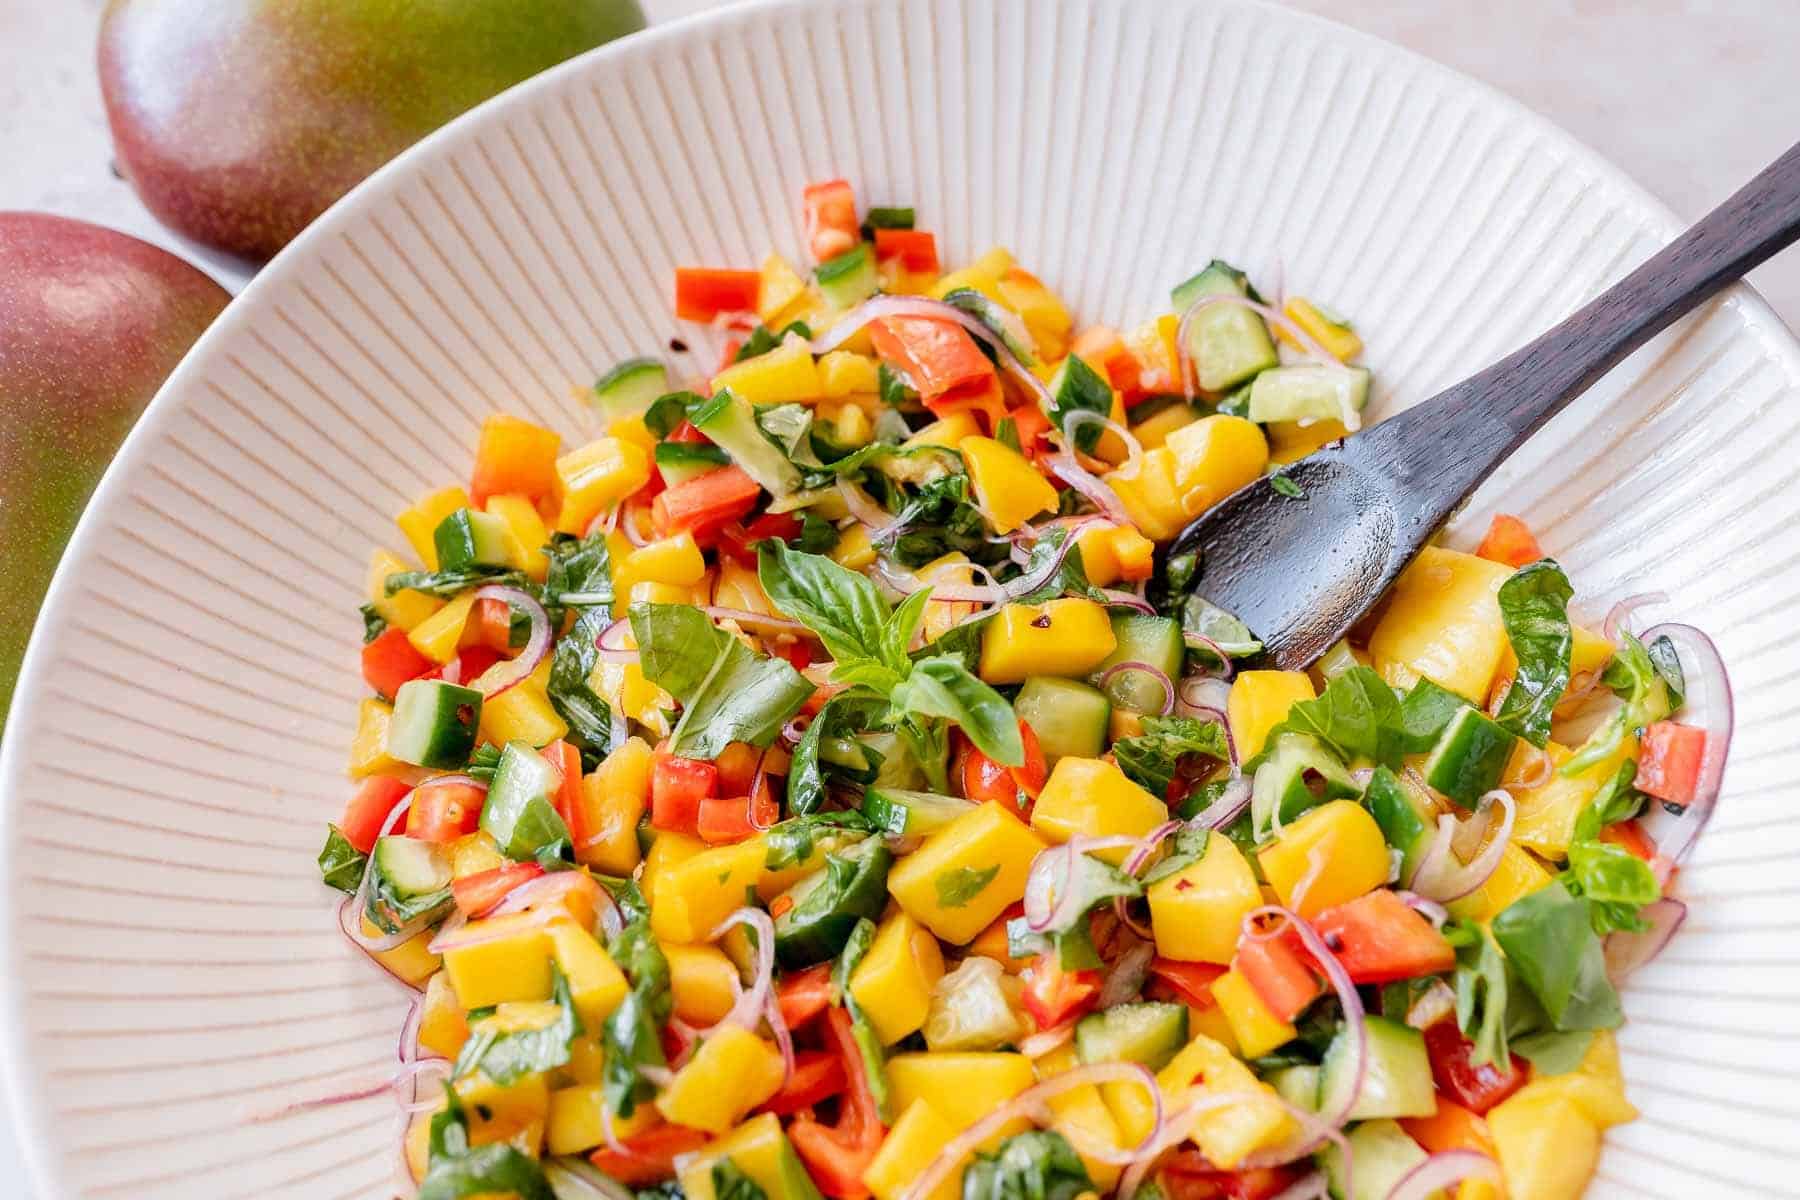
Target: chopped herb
x,y
571,690
666,413
1154,757
507,1057
445,584
1039,1164
341,865
1534,605
374,624
956,887
1287,487
729,693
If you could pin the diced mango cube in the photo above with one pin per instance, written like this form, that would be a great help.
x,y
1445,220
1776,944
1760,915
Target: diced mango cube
x,y
1152,432
1548,1147
966,872
1198,912
404,609
410,962
614,797
528,532
1008,490
731,1073
1214,457
1517,875
781,289
963,1086
1547,813
420,522
500,959
523,713
1061,637
514,455
909,1148
1091,797
1081,1115
1230,1134
368,748
1150,493
703,982
575,1123
784,375
948,431
442,1026
1046,318
843,374
1259,701
596,985
1254,1029
676,561
762,1152
854,550
1340,340
1346,838
691,897
983,275
1442,622
596,476
438,636
892,984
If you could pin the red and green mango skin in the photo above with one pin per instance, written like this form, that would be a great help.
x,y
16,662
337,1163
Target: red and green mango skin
x,y
91,323
240,121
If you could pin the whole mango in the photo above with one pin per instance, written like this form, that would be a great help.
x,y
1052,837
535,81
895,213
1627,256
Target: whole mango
x,y
240,121
91,322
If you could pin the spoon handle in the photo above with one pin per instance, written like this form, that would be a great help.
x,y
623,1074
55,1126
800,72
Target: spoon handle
x,y
1448,445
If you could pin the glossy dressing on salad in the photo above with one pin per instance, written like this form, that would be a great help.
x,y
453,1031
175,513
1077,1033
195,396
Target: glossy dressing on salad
x,y
819,784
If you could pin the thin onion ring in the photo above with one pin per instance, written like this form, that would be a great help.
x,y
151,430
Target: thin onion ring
x,y
502,676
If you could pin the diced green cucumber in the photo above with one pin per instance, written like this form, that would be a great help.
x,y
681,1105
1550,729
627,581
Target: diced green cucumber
x,y
1310,392
899,767
678,462
731,423
1139,637
1145,1032
1296,774
898,811
1069,717
825,906
1424,712
1228,343
850,278
887,217
520,812
1380,1153
1004,323
1406,822
1398,1080
408,878
1469,758
434,723
1298,1085
467,538
630,388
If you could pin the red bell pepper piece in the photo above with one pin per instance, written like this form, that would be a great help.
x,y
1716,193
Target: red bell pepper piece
x,y
705,502
1104,350
1510,541
915,249
1379,939
1053,995
837,1155
831,227
390,660
803,995
677,788
476,894
1187,1175
443,812
1278,971
938,356
650,1155
702,293
738,542
490,625
567,801
1669,757
725,819
984,779
1191,982
818,1074
1033,428
368,809
1475,1086
1631,836
687,433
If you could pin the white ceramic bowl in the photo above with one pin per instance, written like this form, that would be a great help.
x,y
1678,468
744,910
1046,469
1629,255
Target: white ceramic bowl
x,y
178,742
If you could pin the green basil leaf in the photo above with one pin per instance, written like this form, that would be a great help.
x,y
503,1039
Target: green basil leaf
x,y
728,692
1617,800
341,865
579,576
1534,606
1186,848
445,584
1037,1165
896,390
959,885
496,1169
1550,943
840,605
1553,1053
1483,985
842,716
1357,716
794,840
1082,389
1615,881
941,686
1070,579
506,1058
374,624
571,690
666,413
1088,883
1152,758
730,1183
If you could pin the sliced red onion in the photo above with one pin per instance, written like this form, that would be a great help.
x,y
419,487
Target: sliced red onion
x,y
748,1011
629,527
1147,846
1439,877
611,643
552,888
795,729
610,1135
1081,418
656,1076
851,323
1228,807
879,521
1046,1040
1307,1187
460,935
1199,641
1443,1169
1627,950
1030,582
452,671
1177,1127
1435,1003
1049,884
605,522
1030,1104
784,1038
1120,598
503,675
1718,717
1126,977
744,616
1431,910
1094,489
1145,668
1620,613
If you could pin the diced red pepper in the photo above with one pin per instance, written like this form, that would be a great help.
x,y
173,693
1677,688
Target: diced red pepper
x,y
938,356
1187,1175
1190,981
1279,973
837,1155
1631,836
569,806
677,788
390,660
1378,939
983,398
468,665
1033,428
705,502
1053,995
490,624
724,819
1510,541
818,1075
1669,757
1477,1087
803,995
1104,350
738,542
984,779
650,1155
914,248
374,798
688,434
702,293
831,227
476,894
443,812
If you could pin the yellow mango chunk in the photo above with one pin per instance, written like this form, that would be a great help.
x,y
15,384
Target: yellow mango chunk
x,y
983,275
1547,813
1345,836
854,550
1340,340
368,747
596,985
1046,318
1214,457
703,982
510,961
410,961
594,477
442,1026
614,797
1090,797
628,429
909,1148
474,853
1151,494
1291,441
527,530
420,522
784,375
761,1151
1254,1029
963,1086
843,374
950,431
1225,1135
966,872
1442,622
1153,432
1259,701
438,636
575,1123
1060,637
1548,1148
523,712
691,897
1009,491
513,1112
1517,875
892,984
731,1073
1198,912
781,289
676,561
1081,1115
404,609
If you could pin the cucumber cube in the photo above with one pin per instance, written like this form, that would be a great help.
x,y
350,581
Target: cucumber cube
x,y
1138,637
1069,717
1398,1082
1469,758
434,723
467,538
1149,1033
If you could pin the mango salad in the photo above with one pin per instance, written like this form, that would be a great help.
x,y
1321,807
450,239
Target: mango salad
x,y
822,782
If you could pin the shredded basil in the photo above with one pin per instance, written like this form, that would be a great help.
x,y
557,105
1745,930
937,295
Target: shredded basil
x,y
341,865
728,692
1534,606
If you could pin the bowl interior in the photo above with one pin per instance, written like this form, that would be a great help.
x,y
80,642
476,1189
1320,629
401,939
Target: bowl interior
x,y
173,973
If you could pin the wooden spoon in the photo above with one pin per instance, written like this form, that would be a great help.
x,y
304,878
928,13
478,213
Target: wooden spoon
x,y
1301,571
